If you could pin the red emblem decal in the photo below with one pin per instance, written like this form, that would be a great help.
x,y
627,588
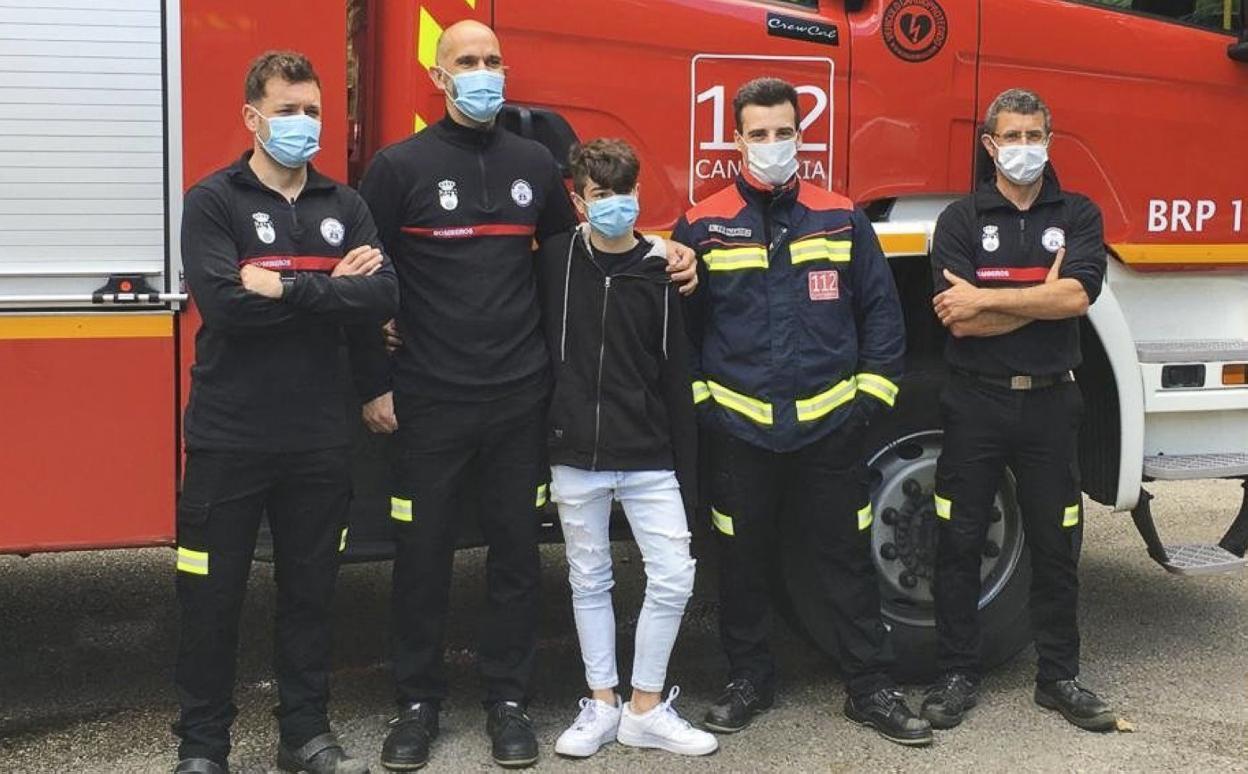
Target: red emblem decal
x,y
824,285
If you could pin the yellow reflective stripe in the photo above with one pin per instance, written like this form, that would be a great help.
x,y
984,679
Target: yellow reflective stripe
x,y
818,406
752,408
944,508
342,541
700,392
400,509
1071,515
834,250
543,494
722,522
864,517
194,562
735,258
879,386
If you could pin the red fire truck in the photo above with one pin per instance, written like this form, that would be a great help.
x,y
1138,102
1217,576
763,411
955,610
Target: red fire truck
x,y
110,109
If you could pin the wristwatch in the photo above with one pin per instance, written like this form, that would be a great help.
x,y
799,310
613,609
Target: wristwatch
x,y
288,281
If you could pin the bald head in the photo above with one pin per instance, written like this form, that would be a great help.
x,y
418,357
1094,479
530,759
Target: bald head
x,y
466,44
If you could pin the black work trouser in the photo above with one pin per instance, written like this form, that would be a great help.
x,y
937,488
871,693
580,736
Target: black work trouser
x,y
1035,433
306,496
799,519
455,458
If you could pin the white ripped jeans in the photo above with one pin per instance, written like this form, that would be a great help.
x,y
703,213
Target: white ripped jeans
x,y
652,503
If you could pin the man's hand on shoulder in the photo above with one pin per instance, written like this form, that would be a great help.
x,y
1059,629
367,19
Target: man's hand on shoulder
x,y
682,265
261,281
379,414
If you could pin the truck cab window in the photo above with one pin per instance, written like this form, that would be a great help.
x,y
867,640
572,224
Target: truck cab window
x,y
1221,15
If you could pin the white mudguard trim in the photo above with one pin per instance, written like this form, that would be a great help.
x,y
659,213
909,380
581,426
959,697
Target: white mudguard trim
x,y
1111,326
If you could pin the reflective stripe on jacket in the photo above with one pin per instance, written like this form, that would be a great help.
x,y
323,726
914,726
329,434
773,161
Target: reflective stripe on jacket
x,y
796,318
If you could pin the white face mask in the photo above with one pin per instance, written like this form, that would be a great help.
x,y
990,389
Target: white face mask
x,y
773,163
1022,164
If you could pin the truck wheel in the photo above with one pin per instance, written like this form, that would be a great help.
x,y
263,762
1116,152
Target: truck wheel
x,y
903,543
906,444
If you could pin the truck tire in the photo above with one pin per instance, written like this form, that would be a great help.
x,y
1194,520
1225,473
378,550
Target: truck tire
x,y
903,446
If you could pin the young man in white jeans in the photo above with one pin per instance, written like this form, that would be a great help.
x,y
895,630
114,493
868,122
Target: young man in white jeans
x,y
621,427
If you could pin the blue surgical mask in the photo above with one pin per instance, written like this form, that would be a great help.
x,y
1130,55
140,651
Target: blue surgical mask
x,y
478,94
614,216
293,140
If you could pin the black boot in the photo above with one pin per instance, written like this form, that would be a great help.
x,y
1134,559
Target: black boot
x,y
949,699
200,766
412,732
512,742
1077,704
322,755
736,707
886,712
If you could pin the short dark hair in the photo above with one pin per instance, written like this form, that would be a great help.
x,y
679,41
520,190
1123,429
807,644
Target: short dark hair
x,y
290,66
1020,101
609,162
765,92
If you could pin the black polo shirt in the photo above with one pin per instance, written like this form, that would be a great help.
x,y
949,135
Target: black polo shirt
x,y
986,240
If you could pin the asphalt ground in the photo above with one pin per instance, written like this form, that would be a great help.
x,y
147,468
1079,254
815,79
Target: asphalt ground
x,y
87,646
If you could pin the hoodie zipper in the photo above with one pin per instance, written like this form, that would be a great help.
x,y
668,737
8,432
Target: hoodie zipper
x,y
602,352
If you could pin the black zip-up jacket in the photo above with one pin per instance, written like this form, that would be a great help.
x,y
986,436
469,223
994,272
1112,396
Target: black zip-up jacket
x,y
986,240
622,399
458,209
269,375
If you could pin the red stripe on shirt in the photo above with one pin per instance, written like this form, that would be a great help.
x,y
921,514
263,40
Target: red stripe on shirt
x,y
468,232
1012,274
293,262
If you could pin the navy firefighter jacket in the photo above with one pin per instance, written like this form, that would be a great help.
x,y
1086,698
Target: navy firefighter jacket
x,y
796,326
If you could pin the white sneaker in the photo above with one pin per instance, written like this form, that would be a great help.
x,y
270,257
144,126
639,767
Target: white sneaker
x,y
595,726
663,729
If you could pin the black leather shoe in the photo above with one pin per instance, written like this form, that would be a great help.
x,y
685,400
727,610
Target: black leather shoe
x,y
322,755
886,712
511,735
412,732
200,766
949,699
736,707
1077,704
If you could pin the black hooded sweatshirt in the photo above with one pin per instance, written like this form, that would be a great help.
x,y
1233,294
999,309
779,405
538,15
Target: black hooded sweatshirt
x,y
623,398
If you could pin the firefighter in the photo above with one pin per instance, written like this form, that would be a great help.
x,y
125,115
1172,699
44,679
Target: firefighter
x,y
1015,264
459,205
280,260
798,342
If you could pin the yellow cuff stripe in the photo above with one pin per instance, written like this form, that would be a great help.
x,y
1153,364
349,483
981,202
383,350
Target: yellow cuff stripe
x,y
944,508
400,509
1070,517
722,522
751,408
834,250
543,495
864,517
879,386
342,541
194,562
735,258
819,406
700,392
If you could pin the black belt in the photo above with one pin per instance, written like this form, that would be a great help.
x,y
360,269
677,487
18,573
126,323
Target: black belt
x,y
1021,381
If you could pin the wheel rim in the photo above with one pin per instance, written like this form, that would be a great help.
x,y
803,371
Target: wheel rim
x,y
903,480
